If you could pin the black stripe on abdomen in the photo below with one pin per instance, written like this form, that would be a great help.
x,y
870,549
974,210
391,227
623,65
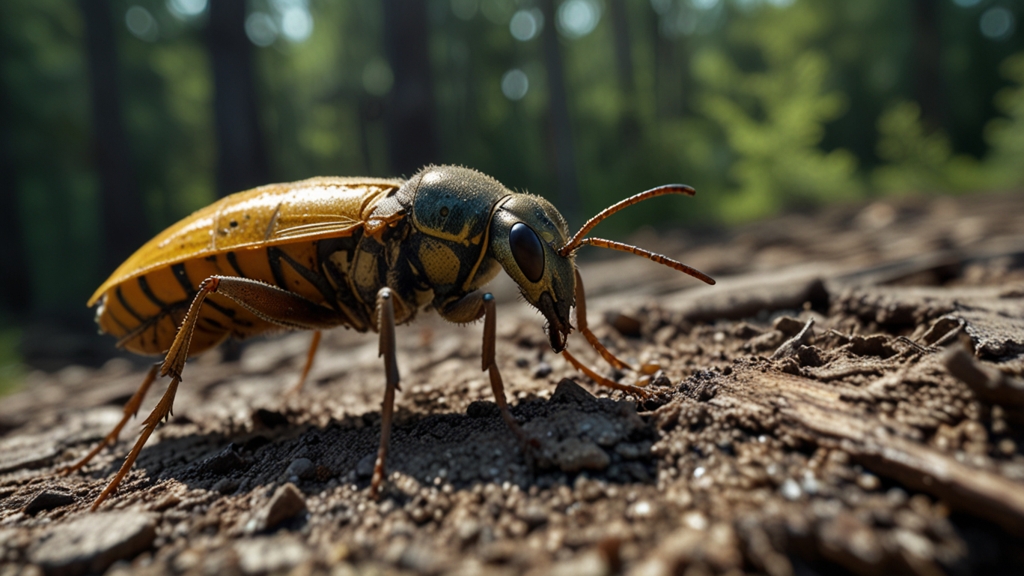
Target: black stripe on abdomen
x,y
182,275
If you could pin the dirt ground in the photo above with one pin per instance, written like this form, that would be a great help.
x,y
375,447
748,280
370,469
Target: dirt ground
x,y
848,399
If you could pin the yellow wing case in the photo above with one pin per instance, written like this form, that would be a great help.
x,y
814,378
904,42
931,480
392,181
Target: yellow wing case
x,y
266,216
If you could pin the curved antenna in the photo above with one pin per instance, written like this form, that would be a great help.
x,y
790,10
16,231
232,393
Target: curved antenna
x,y
575,242
602,243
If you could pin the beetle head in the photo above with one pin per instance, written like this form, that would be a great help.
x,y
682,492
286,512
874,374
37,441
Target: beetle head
x,y
526,234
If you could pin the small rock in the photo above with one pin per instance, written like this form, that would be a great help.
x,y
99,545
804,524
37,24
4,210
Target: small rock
x,y
624,324
810,356
300,468
574,455
264,418
364,468
48,500
92,542
286,503
542,370
467,530
533,513
589,563
874,345
665,334
745,331
225,486
225,461
868,482
788,325
483,409
421,559
165,503
791,490
270,555
569,391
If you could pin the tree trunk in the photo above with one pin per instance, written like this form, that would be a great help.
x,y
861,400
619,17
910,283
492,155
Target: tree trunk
x,y
241,155
558,110
929,89
629,128
121,222
15,294
409,107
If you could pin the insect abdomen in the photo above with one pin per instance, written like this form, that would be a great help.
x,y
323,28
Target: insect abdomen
x,y
145,312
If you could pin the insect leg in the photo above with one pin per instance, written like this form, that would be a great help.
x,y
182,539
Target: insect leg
x,y
489,364
163,409
309,363
172,365
268,302
386,328
581,323
467,309
635,390
131,408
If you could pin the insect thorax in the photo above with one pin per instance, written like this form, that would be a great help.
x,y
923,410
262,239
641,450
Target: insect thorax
x,y
422,270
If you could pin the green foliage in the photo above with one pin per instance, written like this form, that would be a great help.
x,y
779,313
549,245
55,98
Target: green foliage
x,y
1005,136
773,119
11,369
43,76
917,160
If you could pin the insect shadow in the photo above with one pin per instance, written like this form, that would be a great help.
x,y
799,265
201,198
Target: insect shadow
x,y
571,433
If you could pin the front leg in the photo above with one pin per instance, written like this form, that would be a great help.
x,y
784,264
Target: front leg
x,y
385,320
467,309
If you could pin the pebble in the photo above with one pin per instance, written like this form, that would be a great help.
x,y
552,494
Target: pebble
x,y
48,500
270,555
300,468
868,482
286,503
533,513
92,542
791,490
542,370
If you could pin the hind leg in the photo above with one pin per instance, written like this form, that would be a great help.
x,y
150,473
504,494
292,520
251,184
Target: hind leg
x,y
268,302
131,408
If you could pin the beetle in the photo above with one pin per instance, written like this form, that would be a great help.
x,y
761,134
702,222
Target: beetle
x,y
364,253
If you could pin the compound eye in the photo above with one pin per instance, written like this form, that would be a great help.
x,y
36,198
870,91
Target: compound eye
x,y
527,251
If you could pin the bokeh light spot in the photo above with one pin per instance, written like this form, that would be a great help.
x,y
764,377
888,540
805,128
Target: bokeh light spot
x,y
704,4
997,23
526,24
141,24
577,18
296,23
465,9
497,11
260,29
966,3
377,77
515,84
186,9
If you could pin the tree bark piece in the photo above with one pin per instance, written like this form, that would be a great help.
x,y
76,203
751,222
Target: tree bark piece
x,y
816,412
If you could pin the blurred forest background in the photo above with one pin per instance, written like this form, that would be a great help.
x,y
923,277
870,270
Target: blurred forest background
x,y
119,117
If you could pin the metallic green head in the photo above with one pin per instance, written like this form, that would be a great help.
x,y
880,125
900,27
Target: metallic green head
x,y
526,235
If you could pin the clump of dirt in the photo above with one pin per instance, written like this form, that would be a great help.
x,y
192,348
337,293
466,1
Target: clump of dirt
x,y
848,398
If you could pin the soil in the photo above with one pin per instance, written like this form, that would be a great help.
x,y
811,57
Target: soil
x,y
848,399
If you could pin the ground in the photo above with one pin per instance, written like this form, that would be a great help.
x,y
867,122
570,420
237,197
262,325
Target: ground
x,y
847,399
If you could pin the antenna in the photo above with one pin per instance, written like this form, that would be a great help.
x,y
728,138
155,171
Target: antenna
x,y
578,239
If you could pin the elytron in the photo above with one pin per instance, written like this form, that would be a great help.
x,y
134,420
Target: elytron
x,y
364,253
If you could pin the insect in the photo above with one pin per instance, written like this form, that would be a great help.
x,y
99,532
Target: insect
x,y
363,253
